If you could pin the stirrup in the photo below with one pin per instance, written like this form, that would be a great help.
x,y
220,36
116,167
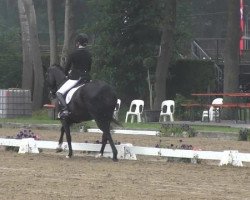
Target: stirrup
x,y
63,114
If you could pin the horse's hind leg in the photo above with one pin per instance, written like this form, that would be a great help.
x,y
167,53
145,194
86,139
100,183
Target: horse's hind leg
x,y
66,126
111,142
104,142
106,136
59,148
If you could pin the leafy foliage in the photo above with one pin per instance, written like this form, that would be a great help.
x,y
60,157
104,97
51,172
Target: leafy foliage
x,y
10,52
127,34
177,130
183,32
124,36
189,76
244,135
10,59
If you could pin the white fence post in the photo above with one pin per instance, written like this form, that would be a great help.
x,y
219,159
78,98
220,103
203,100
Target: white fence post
x,y
231,157
28,145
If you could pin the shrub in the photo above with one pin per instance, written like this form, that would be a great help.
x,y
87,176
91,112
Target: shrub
x,y
23,133
173,130
190,76
244,135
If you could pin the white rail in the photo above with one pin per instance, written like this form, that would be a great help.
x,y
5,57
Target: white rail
x,y
125,131
127,151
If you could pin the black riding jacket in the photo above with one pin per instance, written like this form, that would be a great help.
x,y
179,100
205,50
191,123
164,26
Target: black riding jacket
x,y
78,64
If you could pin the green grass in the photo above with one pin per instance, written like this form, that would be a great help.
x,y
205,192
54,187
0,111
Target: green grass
x,y
29,121
216,129
38,117
42,117
149,126
157,126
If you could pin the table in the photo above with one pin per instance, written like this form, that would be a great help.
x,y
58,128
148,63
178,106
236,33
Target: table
x,y
190,107
235,105
206,103
242,106
237,94
234,94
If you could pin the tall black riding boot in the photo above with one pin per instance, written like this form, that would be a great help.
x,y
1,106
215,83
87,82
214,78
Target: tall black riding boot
x,y
64,109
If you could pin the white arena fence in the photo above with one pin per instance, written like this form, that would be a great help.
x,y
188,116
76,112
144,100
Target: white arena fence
x,y
128,151
125,131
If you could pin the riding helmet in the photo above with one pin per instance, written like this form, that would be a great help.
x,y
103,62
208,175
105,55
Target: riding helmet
x,y
82,39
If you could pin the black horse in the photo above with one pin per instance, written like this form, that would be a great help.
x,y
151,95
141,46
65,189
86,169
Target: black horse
x,y
95,100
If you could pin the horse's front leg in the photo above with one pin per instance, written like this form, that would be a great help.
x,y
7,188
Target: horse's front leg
x,y
59,148
68,137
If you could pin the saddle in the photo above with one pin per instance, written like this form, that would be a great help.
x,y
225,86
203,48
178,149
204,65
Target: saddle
x,y
69,94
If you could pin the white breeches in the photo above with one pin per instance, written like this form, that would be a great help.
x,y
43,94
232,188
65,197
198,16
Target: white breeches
x,y
67,86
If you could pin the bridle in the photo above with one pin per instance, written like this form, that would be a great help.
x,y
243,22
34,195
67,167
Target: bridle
x,y
55,78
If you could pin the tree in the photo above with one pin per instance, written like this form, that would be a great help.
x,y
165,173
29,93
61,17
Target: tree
x,y
231,54
209,18
27,72
52,32
165,54
69,30
10,58
32,51
125,35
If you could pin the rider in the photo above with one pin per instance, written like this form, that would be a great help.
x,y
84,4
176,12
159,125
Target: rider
x,y
78,65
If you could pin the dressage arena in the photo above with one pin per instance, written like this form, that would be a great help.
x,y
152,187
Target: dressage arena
x,y
51,175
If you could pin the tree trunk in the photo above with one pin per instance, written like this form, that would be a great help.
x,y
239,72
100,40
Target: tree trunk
x,y
231,54
69,31
27,74
34,54
165,53
37,61
52,32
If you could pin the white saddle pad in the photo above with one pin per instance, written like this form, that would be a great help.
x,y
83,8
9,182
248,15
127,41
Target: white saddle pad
x,y
70,93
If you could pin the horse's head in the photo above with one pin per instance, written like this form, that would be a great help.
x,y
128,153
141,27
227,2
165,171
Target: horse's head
x,y
55,77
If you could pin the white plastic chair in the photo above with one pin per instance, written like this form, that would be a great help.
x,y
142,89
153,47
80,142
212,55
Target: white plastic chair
x,y
135,109
213,113
167,110
117,108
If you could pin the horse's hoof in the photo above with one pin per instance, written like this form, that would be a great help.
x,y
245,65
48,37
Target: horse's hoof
x,y
58,150
98,155
115,159
69,156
